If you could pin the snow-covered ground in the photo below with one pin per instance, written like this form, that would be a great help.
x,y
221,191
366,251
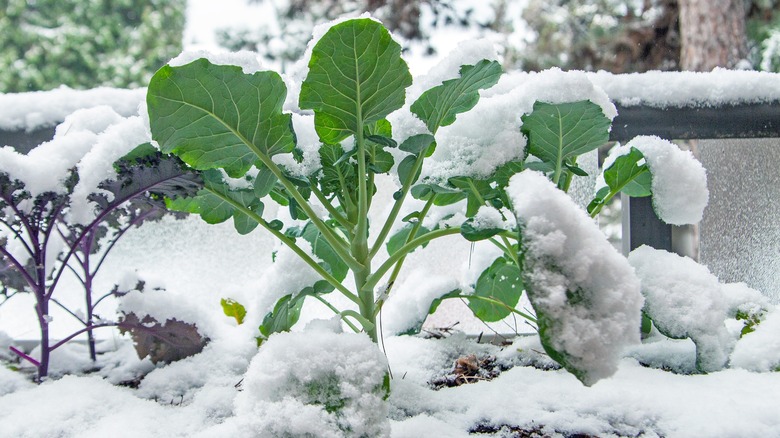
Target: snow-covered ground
x,y
233,388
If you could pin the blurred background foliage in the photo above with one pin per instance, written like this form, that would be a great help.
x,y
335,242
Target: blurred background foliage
x,y
86,43
120,43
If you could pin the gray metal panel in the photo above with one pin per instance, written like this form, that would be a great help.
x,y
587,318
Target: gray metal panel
x,y
641,226
24,141
753,120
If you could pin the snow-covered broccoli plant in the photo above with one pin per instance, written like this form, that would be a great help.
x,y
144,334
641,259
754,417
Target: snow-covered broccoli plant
x,y
496,159
65,204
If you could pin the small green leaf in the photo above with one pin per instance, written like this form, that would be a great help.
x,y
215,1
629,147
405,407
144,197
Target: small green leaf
x,y
507,171
356,77
382,161
284,315
214,206
442,195
502,285
400,238
575,170
477,192
406,167
417,144
474,233
382,140
540,166
264,182
557,133
629,174
233,309
438,106
276,225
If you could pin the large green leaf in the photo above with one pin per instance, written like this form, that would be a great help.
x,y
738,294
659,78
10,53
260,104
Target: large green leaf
x,y
557,133
438,106
502,285
356,77
215,116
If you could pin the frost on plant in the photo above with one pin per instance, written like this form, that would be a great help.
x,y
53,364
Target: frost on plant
x,y
585,293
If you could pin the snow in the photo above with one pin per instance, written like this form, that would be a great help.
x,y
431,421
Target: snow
x,y
248,61
686,301
567,254
679,182
315,383
408,305
42,109
678,89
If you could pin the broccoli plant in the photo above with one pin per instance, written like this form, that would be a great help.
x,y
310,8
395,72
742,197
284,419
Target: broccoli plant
x,y
230,126
39,242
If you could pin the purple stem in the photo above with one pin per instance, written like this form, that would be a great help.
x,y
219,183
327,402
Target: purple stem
x,y
25,356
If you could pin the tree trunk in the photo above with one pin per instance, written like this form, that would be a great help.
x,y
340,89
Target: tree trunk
x,y
713,34
401,16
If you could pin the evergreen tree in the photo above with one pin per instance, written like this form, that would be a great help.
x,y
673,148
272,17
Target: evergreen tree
x,y
86,43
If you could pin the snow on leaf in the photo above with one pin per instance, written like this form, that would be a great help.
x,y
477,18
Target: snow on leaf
x,y
585,294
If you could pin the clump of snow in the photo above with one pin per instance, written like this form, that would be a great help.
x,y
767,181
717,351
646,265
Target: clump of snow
x,y
245,59
685,300
221,364
679,181
585,293
760,350
677,89
319,383
95,119
40,109
407,306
